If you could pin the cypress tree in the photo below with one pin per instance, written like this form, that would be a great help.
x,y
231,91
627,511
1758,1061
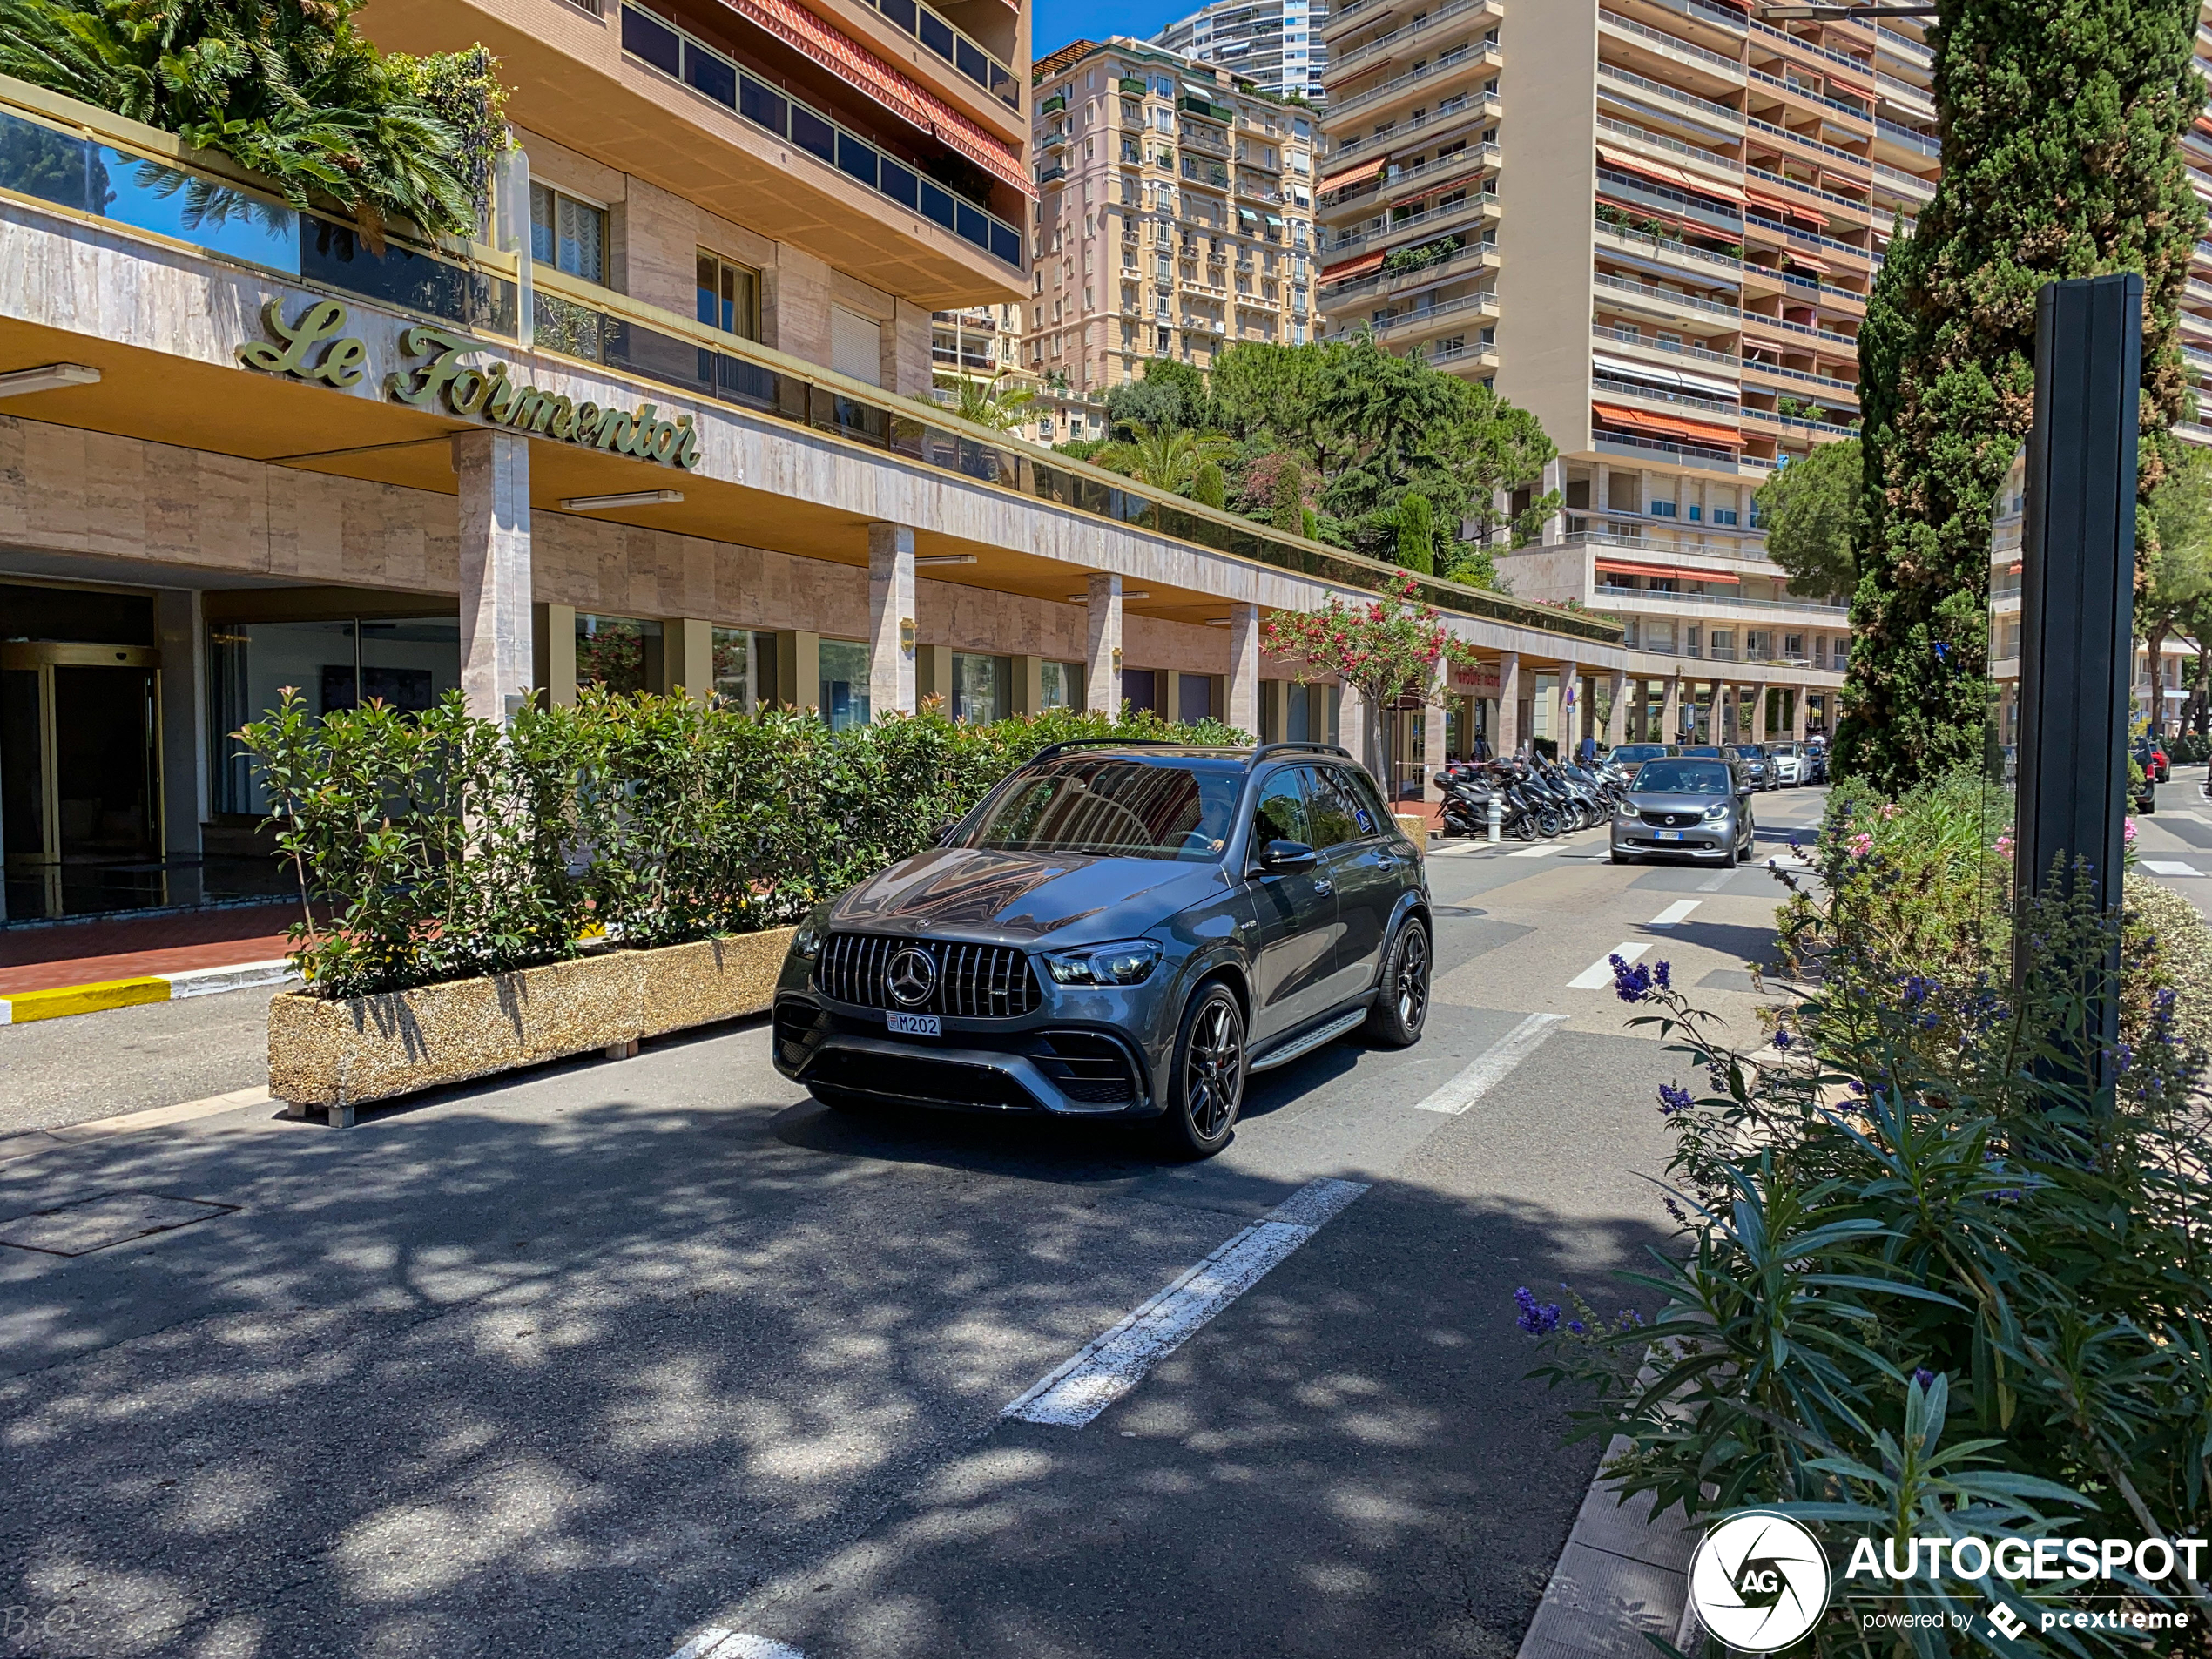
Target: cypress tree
x,y
2060,122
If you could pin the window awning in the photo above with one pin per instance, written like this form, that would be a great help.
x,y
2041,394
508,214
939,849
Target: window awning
x,y
1450,184
1772,203
1273,219
1673,425
802,31
1683,378
1807,260
1676,178
1356,175
1621,567
1352,269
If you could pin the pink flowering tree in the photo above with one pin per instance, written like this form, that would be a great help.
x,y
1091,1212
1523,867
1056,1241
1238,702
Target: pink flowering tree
x,y
1388,650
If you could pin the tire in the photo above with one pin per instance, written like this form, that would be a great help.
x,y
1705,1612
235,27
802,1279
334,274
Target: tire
x,y
1524,827
1401,1000
1206,1087
1616,856
1548,823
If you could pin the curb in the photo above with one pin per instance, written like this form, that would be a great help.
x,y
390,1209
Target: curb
x,y
26,1006
1620,1580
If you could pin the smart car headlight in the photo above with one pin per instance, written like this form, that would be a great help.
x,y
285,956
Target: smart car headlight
x,y
1717,810
1130,962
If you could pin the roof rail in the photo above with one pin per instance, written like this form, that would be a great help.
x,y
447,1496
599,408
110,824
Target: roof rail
x,y
1267,749
1053,749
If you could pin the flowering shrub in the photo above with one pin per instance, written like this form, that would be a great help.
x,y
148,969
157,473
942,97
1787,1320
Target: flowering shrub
x,y
437,846
1921,1288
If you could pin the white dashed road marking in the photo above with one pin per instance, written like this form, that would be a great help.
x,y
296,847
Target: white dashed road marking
x,y
1458,850
1542,850
1102,1373
1491,1067
2170,866
1678,911
1715,881
1599,973
734,1644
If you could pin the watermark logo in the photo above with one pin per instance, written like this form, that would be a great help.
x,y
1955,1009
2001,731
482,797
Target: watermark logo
x,y
1759,1581
2006,1623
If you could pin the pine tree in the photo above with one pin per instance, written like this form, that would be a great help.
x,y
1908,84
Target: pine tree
x,y
2060,122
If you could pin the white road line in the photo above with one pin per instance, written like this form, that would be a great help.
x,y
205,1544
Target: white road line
x,y
1491,1067
1544,850
1715,882
1678,911
2170,866
1459,850
1116,1362
734,1644
1599,975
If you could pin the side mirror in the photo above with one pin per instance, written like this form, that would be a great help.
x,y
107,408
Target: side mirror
x,y
1280,857
945,832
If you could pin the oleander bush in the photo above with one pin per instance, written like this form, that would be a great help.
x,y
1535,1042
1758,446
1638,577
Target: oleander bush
x,y
436,845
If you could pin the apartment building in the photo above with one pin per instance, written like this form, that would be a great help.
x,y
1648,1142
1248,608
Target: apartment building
x,y
1276,44
981,343
1174,218
668,426
1722,189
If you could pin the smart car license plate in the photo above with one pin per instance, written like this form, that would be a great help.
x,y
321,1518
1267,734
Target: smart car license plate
x,y
1663,835
914,1025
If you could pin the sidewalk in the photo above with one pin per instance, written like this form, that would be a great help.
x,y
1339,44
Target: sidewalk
x,y
80,967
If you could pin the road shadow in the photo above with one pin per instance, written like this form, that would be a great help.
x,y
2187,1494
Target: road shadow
x,y
553,1372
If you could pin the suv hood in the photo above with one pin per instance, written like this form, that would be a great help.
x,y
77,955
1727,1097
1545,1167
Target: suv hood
x,y
1020,898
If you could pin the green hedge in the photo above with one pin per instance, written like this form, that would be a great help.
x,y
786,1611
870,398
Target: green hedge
x,y
436,847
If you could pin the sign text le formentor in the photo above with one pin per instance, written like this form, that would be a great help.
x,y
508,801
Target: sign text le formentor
x,y
483,393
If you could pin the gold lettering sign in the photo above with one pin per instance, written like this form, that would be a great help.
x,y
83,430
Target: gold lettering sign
x,y
489,394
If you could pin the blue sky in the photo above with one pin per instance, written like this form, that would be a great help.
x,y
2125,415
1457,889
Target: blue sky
x,y
1053,24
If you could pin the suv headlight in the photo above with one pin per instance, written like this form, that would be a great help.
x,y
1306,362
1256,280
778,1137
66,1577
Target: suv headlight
x,y
1717,810
1130,962
807,942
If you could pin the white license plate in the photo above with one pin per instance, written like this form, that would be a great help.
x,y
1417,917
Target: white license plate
x,y
914,1025
1669,835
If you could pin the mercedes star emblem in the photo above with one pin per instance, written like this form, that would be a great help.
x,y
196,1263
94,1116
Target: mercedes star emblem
x,y
910,977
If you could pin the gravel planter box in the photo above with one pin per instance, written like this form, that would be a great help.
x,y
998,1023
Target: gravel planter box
x,y
336,1056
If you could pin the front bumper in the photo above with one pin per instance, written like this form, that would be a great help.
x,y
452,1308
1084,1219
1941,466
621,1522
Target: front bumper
x,y
1041,1064
1698,842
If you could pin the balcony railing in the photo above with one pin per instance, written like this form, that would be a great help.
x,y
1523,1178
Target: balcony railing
x,y
1643,135
1803,45
1414,316
1635,241
1608,385
1627,337
657,44
1448,112
1907,184
1673,95
1757,125
1813,95
945,39
1463,57
1832,338
1905,46
1476,206
1827,382
1644,290
1605,592
1909,138
1419,25
1669,43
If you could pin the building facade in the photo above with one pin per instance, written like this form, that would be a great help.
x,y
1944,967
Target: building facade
x,y
667,428
1722,189
1174,218
1275,44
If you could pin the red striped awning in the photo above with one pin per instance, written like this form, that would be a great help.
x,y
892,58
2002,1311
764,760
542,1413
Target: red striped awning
x,y
1674,426
803,31
1621,567
1355,175
1675,178
1352,269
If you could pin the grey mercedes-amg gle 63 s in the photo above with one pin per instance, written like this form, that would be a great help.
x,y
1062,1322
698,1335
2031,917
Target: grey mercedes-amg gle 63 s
x,y
1118,930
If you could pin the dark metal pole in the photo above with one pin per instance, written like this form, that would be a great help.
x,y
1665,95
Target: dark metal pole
x,y
2077,590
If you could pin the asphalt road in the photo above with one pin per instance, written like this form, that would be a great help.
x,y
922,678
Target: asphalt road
x,y
618,1353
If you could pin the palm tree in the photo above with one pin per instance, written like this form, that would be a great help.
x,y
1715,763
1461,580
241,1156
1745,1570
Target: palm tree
x,y
1171,458
993,403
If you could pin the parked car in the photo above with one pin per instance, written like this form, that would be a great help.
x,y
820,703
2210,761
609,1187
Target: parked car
x,y
1701,752
1750,760
1816,761
1635,754
1684,806
1788,760
1119,931
2150,755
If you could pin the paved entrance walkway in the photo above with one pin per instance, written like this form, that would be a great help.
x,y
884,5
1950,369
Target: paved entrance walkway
x,y
42,958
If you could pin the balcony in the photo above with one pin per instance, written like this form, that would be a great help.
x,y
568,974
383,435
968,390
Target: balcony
x,y
1646,88
1476,207
1340,62
1727,361
1470,57
1603,385
1415,317
1646,601
947,41
1672,45
1813,95
1666,299
1908,139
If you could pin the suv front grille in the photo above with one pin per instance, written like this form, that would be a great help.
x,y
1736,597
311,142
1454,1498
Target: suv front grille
x,y
973,981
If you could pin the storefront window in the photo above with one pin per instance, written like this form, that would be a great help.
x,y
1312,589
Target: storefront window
x,y
1060,685
845,684
619,654
980,687
1139,689
1194,698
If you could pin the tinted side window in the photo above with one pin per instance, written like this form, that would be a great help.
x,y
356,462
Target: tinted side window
x,y
1279,813
1365,792
1336,813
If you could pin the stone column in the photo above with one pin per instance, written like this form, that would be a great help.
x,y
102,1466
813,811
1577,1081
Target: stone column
x,y
1241,685
798,669
1555,477
1566,701
495,669
1103,655
1352,732
1758,713
1432,722
1616,717
1167,685
891,619
1506,739
687,656
1670,713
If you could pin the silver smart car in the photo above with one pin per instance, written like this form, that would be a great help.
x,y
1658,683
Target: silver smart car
x,y
1683,808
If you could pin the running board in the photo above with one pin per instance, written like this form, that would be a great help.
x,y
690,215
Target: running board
x,y
1312,1039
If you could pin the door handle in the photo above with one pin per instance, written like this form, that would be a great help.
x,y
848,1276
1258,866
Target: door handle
x,y
1323,886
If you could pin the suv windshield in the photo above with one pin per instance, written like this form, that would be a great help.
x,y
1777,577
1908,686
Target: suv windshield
x,y
1751,751
1632,752
1682,777
1126,809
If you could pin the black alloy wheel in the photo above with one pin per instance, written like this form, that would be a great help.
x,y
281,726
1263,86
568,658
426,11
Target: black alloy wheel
x,y
1401,1000
1209,1074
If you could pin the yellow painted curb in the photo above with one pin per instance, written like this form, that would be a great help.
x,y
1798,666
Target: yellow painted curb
x,y
27,1006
